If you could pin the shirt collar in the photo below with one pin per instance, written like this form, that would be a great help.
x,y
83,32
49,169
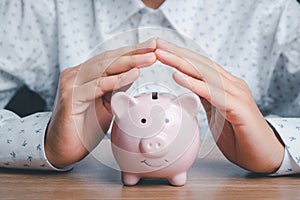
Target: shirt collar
x,y
130,7
169,8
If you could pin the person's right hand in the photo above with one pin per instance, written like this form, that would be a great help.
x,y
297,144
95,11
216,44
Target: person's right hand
x,y
81,115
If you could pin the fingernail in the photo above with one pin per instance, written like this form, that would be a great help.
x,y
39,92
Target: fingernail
x,y
179,75
148,58
162,52
149,55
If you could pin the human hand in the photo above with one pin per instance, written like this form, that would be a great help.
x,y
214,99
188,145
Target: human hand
x,y
239,128
81,115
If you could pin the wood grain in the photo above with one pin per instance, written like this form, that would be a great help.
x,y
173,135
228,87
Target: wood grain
x,y
211,177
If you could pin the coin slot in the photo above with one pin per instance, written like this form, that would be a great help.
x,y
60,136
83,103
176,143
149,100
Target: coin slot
x,y
154,95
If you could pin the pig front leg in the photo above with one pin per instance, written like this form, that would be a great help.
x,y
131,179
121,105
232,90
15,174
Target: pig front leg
x,y
130,179
178,179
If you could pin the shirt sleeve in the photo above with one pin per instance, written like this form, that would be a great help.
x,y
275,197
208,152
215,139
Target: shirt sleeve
x,y
289,131
22,141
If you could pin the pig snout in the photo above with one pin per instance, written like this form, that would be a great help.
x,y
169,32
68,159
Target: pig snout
x,y
155,146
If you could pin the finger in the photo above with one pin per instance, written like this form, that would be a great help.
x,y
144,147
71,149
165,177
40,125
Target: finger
x,y
191,56
214,95
178,63
120,65
98,87
212,77
233,101
197,70
125,63
140,48
95,66
205,74
171,47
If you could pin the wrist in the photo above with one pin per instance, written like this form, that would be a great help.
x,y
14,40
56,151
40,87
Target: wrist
x,y
260,151
50,153
51,157
281,148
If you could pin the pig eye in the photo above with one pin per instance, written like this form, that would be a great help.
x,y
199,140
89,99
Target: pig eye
x,y
143,120
167,120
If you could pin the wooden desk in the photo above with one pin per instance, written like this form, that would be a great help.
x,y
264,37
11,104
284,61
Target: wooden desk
x,y
209,178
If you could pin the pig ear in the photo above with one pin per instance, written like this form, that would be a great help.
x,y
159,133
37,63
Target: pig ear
x,y
190,102
120,102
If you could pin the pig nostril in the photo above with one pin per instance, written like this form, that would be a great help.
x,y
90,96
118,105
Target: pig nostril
x,y
158,146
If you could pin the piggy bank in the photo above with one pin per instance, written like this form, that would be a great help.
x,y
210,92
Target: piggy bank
x,y
155,135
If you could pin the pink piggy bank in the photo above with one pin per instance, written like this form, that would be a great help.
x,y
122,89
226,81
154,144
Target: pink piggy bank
x,y
155,135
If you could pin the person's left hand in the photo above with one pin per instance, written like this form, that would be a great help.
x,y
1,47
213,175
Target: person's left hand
x,y
245,137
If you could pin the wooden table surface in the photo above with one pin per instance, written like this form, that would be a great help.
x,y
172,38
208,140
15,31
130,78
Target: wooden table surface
x,y
211,177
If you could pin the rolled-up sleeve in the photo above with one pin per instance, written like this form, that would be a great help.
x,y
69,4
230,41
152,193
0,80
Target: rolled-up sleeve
x,y
22,141
289,131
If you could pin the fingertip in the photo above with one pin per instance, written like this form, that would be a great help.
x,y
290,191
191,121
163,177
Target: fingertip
x,y
147,59
162,54
133,73
181,79
151,57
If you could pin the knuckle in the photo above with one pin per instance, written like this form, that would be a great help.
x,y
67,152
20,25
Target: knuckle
x,y
104,54
243,85
119,76
100,84
129,50
65,95
132,61
192,84
242,88
65,72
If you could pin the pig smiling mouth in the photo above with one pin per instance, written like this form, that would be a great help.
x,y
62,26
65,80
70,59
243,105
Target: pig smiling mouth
x,y
150,165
